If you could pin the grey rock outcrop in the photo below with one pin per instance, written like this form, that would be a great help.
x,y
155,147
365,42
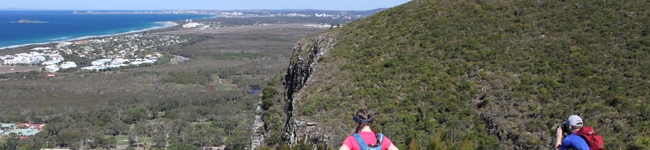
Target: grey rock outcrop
x,y
303,63
257,136
299,72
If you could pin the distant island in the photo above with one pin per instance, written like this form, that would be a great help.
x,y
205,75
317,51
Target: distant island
x,y
28,21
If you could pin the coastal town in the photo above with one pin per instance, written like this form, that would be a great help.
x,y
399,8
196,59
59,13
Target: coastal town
x,y
95,54
107,53
133,50
251,13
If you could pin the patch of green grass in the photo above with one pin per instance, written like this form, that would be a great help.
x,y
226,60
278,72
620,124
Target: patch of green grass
x,y
223,87
202,123
121,140
161,114
148,140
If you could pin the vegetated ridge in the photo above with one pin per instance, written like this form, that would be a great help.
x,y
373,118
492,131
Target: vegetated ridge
x,y
470,75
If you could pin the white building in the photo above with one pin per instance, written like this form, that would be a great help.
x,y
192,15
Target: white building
x,y
118,62
38,59
323,15
54,59
191,25
52,68
101,62
94,68
62,44
68,64
142,61
41,48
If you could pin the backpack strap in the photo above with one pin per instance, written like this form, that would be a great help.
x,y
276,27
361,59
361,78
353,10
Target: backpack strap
x,y
380,137
364,146
360,141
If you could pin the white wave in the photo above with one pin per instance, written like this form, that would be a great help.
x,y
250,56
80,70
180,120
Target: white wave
x,y
61,38
28,22
21,45
165,24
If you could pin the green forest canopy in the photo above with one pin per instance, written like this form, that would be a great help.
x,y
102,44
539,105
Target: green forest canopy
x,y
488,74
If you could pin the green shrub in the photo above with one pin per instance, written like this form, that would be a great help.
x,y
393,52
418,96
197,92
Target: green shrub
x,y
491,74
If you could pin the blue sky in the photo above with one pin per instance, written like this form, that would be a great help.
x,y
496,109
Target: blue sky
x,y
197,4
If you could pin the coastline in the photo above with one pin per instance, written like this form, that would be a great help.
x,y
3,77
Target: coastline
x,y
162,25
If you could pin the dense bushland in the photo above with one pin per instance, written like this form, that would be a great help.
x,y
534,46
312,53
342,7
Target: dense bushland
x,y
488,74
201,102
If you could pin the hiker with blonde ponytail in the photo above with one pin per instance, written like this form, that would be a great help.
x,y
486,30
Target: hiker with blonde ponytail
x,y
365,136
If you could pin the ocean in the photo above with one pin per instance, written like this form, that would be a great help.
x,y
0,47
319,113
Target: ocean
x,y
56,26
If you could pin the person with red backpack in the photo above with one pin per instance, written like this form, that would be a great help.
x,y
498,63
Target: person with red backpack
x,y
573,141
365,137
580,137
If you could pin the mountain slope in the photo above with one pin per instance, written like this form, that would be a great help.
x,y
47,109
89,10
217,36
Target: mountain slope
x,y
471,74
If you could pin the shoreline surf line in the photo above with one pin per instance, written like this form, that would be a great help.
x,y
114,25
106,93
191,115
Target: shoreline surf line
x,y
161,25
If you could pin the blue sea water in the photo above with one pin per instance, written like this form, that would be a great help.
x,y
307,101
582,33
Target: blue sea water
x,y
64,25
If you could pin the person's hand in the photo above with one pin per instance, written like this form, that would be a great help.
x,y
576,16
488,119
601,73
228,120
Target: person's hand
x,y
558,139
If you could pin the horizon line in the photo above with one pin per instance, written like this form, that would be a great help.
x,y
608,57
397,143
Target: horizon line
x,y
30,9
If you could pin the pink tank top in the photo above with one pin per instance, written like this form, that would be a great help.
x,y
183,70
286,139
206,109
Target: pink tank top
x,y
369,138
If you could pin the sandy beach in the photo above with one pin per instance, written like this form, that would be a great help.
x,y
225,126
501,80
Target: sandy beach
x,y
166,24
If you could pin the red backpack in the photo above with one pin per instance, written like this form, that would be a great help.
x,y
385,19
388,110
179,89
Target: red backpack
x,y
594,139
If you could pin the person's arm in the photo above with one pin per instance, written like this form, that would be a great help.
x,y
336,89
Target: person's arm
x,y
346,142
558,138
566,144
344,147
392,147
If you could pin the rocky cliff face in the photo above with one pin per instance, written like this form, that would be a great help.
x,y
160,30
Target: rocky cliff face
x,y
257,136
299,74
303,63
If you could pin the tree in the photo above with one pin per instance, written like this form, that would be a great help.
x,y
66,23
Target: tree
x,y
267,99
136,114
159,140
228,125
117,128
28,147
11,142
112,142
139,132
182,146
214,135
238,140
68,138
